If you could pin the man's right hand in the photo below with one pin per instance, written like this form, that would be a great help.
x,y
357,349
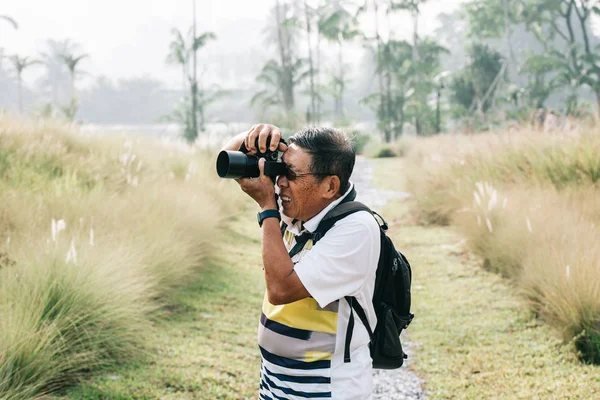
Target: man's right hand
x,y
260,131
263,132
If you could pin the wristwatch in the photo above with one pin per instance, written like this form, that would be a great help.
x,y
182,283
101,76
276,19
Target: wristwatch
x,y
267,214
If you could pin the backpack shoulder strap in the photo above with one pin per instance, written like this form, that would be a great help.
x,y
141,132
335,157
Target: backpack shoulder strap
x,y
353,303
342,210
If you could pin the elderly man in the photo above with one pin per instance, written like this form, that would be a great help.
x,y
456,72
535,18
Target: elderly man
x,y
304,319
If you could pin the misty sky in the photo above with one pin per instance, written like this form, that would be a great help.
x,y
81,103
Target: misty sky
x,y
127,38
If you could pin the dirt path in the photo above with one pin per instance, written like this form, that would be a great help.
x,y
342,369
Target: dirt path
x,y
402,383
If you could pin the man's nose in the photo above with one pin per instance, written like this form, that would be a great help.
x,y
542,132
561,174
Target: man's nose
x,y
282,181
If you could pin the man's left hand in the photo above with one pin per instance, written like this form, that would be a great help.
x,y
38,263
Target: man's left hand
x,y
261,189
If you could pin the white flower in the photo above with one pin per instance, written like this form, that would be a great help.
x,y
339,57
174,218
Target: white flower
x,y
477,198
8,242
493,200
504,202
57,226
489,224
568,271
72,254
92,232
528,222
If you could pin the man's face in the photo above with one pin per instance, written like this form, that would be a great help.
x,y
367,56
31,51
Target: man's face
x,y
301,198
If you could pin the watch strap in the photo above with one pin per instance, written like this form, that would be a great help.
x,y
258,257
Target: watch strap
x,y
268,214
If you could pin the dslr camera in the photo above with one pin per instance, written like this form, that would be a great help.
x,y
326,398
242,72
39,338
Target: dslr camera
x,y
239,164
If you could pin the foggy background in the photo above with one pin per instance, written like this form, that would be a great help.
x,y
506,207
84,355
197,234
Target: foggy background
x,y
128,42
125,79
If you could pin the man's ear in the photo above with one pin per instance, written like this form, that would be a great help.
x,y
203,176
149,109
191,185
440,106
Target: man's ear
x,y
331,186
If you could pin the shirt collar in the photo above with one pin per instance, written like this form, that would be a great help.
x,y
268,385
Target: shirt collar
x,y
296,227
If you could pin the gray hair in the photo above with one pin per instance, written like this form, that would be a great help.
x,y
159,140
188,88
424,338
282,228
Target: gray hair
x,y
331,153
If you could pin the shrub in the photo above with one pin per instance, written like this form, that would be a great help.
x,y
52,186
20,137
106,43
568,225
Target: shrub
x,y
360,141
95,233
385,151
529,207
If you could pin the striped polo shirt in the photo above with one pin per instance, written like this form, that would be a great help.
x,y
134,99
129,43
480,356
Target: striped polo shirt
x,y
302,343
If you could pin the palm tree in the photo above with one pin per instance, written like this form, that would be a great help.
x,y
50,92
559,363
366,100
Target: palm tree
x,y
10,21
338,26
56,80
198,101
20,64
182,52
15,26
72,60
178,55
279,81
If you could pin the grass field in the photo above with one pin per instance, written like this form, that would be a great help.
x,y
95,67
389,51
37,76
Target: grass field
x,y
161,298
474,335
206,344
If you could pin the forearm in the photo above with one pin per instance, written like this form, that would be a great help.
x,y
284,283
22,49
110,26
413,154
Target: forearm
x,y
277,263
235,142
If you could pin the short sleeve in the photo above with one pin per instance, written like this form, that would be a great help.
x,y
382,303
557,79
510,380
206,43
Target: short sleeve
x,y
340,263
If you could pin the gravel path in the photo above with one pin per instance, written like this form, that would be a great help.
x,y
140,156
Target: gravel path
x,y
399,384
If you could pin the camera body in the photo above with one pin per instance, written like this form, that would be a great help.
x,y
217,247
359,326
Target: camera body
x,y
239,164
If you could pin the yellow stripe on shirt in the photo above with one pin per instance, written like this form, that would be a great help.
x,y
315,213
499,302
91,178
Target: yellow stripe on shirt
x,y
302,314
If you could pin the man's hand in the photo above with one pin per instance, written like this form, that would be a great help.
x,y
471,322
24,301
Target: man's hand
x,y
263,132
260,131
261,189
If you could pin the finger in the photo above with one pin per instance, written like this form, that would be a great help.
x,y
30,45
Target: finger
x,y
251,138
261,167
265,132
247,134
275,138
282,147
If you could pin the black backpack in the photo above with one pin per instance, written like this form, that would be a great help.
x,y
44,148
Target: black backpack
x,y
391,298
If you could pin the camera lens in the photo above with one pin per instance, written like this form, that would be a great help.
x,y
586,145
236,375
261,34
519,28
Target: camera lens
x,y
235,165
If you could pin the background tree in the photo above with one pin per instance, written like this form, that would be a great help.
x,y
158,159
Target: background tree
x,y
286,73
563,29
183,52
56,82
474,87
309,15
14,24
20,64
338,25
72,60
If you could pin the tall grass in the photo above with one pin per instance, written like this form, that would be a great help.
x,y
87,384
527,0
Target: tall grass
x,y
95,233
530,206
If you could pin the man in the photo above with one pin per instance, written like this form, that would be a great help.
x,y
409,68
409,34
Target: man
x,y
304,317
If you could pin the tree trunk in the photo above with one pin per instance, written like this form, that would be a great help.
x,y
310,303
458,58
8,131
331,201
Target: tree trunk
x,y
438,119
597,113
318,110
382,112
201,110
194,118
287,82
416,57
310,62
20,84
339,107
